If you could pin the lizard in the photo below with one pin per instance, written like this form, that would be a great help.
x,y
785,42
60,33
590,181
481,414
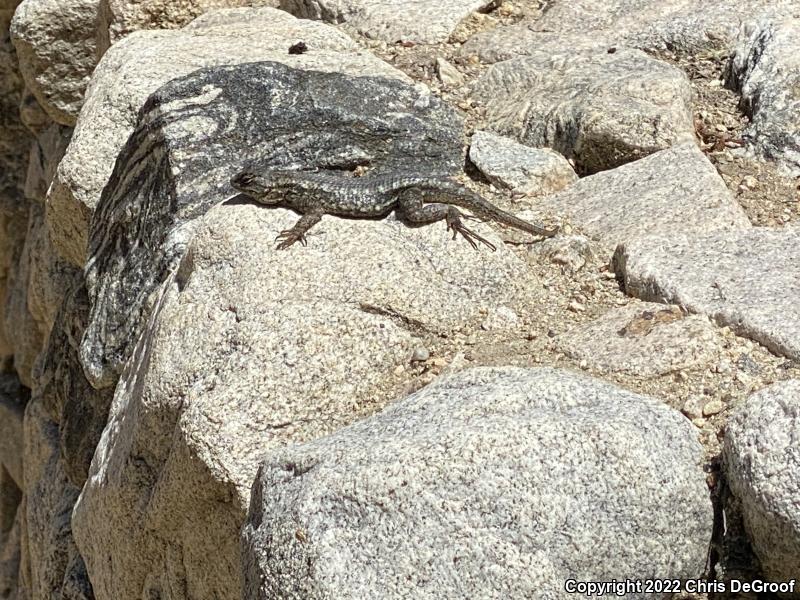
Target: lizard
x,y
419,200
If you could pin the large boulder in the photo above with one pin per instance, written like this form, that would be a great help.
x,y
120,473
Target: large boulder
x,y
178,163
55,42
416,21
600,108
766,70
619,205
492,483
250,348
682,27
762,468
137,66
118,18
53,567
748,280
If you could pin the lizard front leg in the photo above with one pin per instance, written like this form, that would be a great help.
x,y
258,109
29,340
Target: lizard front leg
x,y
298,232
410,206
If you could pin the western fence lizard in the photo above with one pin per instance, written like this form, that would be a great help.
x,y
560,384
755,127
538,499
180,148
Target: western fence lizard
x,y
419,200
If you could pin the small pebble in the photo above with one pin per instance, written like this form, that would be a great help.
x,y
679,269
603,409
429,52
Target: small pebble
x,y
439,362
714,407
699,422
576,307
399,370
693,407
420,354
749,182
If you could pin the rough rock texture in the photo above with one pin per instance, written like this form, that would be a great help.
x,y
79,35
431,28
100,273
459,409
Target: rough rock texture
x,y
683,27
675,190
763,470
601,109
530,171
644,339
47,150
484,484
765,69
13,139
54,568
749,280
250,348
24,333
197,132
418,21
14,147
13,398
118,18
138,65
13,225
55,45
80,410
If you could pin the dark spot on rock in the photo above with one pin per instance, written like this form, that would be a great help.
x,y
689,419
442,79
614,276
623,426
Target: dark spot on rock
x,y
298,48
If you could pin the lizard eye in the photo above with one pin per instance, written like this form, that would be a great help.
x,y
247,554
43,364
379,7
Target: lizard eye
x,y
242,179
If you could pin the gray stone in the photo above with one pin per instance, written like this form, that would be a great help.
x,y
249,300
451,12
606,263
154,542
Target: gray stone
x,y
13,398
14,140
80,410
675,190
763,471
118,18
419,21
766,70
572,252
47,275
138,65
250,348
597,108
53,562
46,152
748,280
25,335
485,484
643,339
509,164
262,115
683,27
448,74
55,42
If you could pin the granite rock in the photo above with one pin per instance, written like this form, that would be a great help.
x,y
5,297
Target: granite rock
x,y
644,339
765,69
748,280
680,27
601,109
675,190
55,42
525,170
417,21
763,471
484,484
247,349
197,132
118,18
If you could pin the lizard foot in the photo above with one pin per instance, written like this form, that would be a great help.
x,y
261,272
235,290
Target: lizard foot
x,y
455,225
288,237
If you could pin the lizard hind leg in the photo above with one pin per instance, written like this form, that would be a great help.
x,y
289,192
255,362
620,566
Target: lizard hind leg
x,y
411,208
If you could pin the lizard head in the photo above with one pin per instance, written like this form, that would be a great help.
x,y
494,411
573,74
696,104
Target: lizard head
x,y
252,184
